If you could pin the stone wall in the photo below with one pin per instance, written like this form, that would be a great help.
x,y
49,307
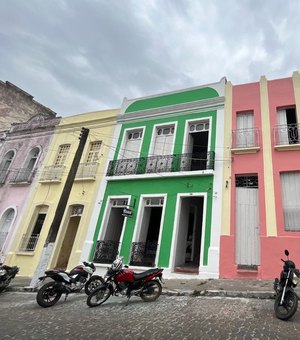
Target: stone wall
x,y
18,106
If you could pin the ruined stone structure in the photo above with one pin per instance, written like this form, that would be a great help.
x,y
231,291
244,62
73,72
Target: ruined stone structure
x,y
18,106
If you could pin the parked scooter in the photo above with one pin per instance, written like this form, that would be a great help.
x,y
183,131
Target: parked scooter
x,y
73,282
119,280
6,275
286,300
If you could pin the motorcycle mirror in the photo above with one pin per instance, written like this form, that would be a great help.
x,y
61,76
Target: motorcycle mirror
x,y
286,252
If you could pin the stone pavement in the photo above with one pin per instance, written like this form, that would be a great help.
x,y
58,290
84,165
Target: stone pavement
x,y
248,288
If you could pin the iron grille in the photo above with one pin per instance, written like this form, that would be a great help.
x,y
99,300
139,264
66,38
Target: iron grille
x,y
106,251
165,163
143,253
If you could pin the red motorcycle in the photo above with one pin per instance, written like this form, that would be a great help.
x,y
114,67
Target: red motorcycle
x,y
124,281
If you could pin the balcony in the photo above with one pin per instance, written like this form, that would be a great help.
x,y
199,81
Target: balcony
x,y
143,254
106,251
22,176
28,243
245,140
52,173
286,137
158,164
87,171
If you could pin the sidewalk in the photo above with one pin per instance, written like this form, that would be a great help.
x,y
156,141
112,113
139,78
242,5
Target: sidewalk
x,y
248,288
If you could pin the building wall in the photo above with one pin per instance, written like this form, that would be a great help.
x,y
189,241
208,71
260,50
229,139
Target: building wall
x,y
203,102
18,106
101,126
267,161
22,138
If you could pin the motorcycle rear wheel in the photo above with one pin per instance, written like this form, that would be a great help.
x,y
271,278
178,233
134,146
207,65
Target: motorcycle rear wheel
x,y
93,283
288,307
98,296
151,291
47,296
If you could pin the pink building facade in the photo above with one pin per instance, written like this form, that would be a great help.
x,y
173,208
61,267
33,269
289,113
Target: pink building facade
x,y
261,200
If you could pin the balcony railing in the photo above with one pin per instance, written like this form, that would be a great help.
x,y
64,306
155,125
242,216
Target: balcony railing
x,y
143,254
158,164
87,170
245,138
106,251
28,243
286,134
52,173
23,175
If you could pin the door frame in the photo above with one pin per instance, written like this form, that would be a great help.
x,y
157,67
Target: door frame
x,y
138,224
176,226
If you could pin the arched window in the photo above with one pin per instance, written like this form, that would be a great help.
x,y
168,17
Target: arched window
x,y
26,173
5,223
5,165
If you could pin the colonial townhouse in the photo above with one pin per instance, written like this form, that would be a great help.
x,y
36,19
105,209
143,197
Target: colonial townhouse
x,y
160,203
261,210
53,230
23,151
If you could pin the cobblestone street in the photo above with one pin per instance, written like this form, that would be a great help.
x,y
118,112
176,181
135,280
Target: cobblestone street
x,y
169,317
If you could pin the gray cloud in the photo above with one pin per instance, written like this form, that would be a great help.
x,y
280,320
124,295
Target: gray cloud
x,y
84,55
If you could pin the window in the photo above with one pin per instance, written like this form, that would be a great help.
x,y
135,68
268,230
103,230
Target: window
x,y
196,157
287,129
163,142
132,144
5,164
30,240
25,174
93,154
62,155
5,223
245,130
290,193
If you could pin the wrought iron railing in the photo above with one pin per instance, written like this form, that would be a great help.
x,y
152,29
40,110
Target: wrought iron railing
x,y
286,134
87,170
245,138
106,251
52,173
28,243
23,175
158,164
143,253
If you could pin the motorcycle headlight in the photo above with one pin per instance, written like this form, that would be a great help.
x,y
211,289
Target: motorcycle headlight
x,y
2,271
295,279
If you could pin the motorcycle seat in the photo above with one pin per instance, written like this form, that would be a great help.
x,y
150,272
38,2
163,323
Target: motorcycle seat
x,y
141,276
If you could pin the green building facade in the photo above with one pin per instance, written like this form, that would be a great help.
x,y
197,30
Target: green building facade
x,y
160,203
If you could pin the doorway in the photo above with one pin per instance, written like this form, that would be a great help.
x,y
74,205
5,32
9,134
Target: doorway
x,y
144,249
189,235
67,245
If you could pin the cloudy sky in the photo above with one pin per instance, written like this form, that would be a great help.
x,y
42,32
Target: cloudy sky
x,y
76,56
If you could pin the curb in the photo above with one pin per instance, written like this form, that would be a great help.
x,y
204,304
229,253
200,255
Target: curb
x,y
221,293
180,292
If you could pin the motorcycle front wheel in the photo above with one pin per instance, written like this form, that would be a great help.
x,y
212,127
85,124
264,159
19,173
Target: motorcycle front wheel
x,y
289,306
151,291
47,296
98,296
94,282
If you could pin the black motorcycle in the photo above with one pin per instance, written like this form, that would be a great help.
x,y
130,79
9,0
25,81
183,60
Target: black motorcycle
x,y
6,275
286,300
65,283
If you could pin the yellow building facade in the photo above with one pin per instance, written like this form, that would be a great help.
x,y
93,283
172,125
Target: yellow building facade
x,y
32,249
